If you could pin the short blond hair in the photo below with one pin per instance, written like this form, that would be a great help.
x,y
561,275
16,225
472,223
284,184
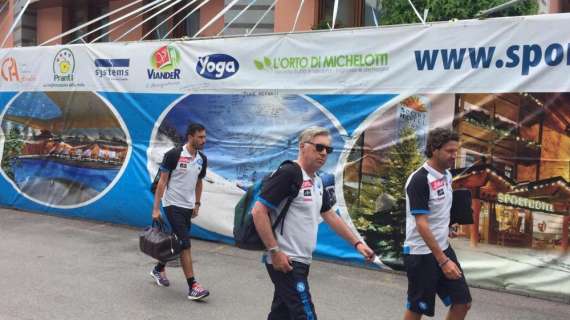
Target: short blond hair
x,y
308,134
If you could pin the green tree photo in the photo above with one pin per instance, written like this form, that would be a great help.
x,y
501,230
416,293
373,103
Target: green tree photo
x,y
12,148
380,214
400,11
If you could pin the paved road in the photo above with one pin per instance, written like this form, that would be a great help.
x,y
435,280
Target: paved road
x,y
55,268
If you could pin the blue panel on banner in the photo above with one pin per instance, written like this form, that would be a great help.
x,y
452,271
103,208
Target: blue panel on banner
x,y
4,98
351,110
332,246
204,234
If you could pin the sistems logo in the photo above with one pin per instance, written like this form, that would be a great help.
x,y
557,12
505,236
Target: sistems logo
x,y
217,66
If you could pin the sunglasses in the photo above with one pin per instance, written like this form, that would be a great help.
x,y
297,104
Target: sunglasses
x,y
320,147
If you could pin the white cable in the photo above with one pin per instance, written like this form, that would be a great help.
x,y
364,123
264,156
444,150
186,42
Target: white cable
x,y
167,19
185,17
335,12
147,19
15,23
416,11
81,37
150,6
298,14
374,16
214,19
237,16
61,35
129,20
263,16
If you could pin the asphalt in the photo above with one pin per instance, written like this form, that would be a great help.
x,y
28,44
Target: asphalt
x,y
57,268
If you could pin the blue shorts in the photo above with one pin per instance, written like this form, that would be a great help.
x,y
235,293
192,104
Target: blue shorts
x,y
426,279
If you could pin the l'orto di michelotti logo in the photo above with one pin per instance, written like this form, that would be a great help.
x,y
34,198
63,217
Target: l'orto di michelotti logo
x,y
164,62
63,66
354,62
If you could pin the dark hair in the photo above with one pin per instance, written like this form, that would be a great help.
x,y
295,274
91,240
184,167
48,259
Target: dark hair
x,y
193,128
437,138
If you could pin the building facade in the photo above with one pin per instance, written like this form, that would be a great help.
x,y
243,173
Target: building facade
x,y
43,20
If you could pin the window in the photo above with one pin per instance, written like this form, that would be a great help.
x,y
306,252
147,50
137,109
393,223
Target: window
x,y
351,13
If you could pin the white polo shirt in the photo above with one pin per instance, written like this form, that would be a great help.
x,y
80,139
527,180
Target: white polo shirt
x,y
181,188
428,192
301,223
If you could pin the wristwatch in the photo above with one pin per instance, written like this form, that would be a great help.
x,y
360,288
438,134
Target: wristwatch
x,y
274,250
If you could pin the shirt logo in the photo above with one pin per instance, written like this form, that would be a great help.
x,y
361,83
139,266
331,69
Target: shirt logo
x,y
307,184
184,159
440,192
307,193
437,184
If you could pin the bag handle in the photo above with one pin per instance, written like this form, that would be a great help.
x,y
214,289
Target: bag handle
x,y
158,223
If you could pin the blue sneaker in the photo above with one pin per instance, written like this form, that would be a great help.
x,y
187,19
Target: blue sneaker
x,y
197,292
159,278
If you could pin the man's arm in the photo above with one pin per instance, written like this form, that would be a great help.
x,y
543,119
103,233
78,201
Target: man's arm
x,y
197,203
340,227
448,267
262,223
159,192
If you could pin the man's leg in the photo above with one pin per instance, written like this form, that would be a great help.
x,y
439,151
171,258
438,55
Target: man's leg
x,y
293,295
180,221
458,311
455,293
186,262
422,274
410,315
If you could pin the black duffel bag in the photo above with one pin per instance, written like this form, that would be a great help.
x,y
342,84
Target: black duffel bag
x,y
159,244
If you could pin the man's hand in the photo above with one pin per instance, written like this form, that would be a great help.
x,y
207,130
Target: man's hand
x,y
451,270
454,230
365,251
195,210
156,214
281,262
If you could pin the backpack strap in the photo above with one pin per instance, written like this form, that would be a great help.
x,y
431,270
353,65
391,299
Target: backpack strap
x,y
177,152
294,190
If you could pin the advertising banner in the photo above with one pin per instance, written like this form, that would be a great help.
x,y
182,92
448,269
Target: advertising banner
x,y
84,128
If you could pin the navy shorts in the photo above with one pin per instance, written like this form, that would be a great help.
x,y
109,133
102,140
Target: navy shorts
x,y
180,220
292,297
426,279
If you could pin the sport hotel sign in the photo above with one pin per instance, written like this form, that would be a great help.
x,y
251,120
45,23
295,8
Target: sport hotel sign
x,y
524,202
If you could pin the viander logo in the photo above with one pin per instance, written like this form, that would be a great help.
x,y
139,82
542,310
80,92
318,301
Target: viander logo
x,y
164,62
63,66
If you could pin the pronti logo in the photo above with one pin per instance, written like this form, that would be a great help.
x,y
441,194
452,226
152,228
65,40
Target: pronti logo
x,y
217,66
63,66
164,62
9,70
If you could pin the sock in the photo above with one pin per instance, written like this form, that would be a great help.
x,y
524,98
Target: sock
x,y
160,267
190,281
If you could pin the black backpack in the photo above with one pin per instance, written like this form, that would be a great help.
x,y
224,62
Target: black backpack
x,y
177,152
245,234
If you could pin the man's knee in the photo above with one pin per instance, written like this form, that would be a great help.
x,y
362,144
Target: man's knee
x,y
185,244
463,308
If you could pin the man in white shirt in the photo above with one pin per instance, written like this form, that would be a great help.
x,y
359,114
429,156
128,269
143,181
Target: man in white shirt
x,y
180,189
431,264
290,249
